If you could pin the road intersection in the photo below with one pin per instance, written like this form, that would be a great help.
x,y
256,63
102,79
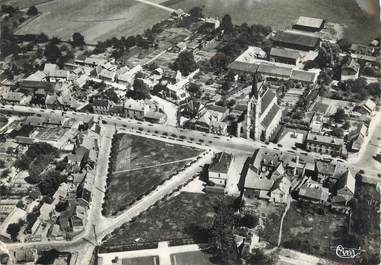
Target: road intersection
x,y
98,226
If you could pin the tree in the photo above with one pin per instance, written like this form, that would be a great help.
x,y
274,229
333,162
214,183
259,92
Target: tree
x,y
185,63
13,230
219,60
22,163
196,12
194,89
5,173
344,44
226,24
222,232
140,91
52,53
38,166
50,181
346,125
130,42
41,38
32,11
78,39
339,115
337,132
62,206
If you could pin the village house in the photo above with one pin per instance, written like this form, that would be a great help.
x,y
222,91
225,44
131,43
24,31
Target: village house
x,y
369,106
54,74
280,191
52,102
358,138
79,158
313,191
101,106
34,121
53,120
32,86
135,109
215,112
218,170
13,98
25,255
345,188
107,75
350,70
155,116
267,178
325,144
39,98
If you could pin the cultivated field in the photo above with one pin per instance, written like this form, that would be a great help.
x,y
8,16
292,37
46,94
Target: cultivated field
x,y
142,164
280,14
99,20
23,3
95,19
185,216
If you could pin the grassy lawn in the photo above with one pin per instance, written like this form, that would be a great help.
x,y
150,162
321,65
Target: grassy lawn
x,y
191,258
150,260
185,216
307,231
365,221
141,164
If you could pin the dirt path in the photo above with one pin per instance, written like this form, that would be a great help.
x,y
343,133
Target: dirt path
x,y
281,221
158,165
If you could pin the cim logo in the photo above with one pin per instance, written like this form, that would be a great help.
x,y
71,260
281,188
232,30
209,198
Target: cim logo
x,y
348,253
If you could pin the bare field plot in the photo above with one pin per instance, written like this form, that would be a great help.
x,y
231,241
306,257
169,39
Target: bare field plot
x,y
141,164
180,217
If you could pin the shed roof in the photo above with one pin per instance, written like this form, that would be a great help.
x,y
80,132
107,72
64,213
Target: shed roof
x,y
279,52
296,39
310,22
304,76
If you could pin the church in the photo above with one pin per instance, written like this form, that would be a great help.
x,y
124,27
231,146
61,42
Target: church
x,y
263,114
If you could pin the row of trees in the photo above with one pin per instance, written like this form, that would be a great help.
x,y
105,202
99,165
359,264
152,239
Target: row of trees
x,y
236,39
